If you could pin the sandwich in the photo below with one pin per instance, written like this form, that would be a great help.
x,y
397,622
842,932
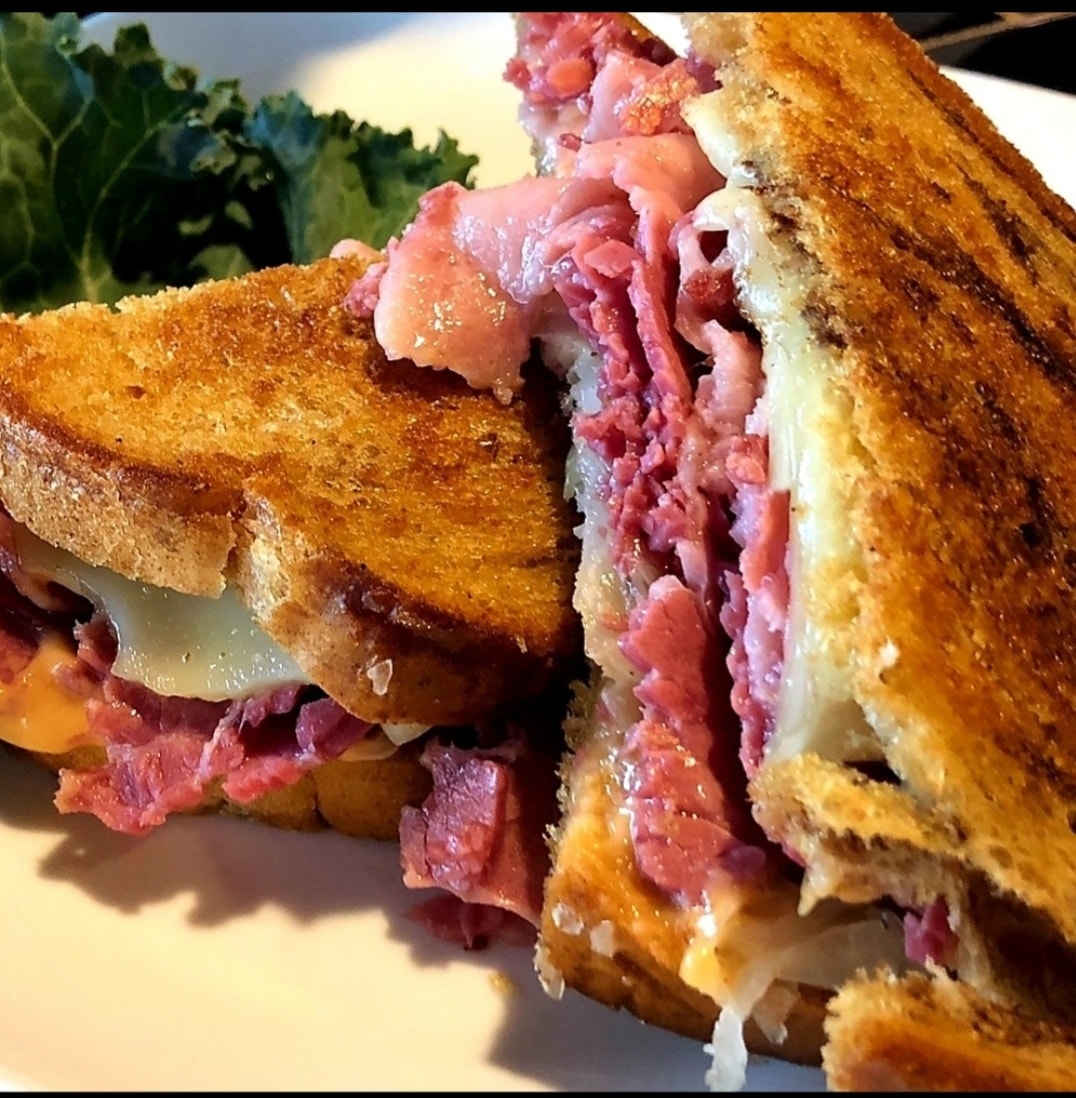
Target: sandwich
x,y
816,323
246,564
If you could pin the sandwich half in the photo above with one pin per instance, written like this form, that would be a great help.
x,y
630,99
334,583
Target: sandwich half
x,y
249,564
817,322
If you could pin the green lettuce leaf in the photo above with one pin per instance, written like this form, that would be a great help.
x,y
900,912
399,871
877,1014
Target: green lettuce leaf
x,y
122,172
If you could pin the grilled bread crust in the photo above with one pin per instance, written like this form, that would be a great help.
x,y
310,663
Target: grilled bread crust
x,y
609,934
935,273
250,432
936,1034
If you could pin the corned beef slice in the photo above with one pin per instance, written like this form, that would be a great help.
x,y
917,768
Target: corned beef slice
x,y
480,834
164,753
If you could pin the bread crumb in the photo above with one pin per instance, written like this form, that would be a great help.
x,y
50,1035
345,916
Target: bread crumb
x,y
566,920
503,984
888,656
603,939
548,975
380,674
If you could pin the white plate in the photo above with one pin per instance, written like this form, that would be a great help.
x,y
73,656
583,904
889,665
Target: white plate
x,y
221,955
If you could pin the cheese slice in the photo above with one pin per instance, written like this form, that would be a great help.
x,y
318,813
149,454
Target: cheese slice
x,y
176,645
173,644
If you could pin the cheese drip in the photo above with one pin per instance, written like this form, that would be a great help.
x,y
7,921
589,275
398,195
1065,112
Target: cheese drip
x,y
36,712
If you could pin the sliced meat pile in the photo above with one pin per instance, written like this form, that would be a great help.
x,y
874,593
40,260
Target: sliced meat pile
x,y
605,264
604,245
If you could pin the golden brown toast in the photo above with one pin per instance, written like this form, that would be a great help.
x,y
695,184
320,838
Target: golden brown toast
x,y
914,285
936,1034
927,278
249,432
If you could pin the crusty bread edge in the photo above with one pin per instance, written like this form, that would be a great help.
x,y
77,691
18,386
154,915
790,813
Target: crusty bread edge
x,y
608,934
933,1033
586,946
161,529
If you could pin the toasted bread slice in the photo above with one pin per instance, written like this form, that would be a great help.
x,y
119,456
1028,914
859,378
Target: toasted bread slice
x,y
936,1034
914,284
249,432
613,936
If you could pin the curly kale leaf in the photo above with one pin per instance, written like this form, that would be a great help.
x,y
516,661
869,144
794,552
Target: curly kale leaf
x,y
122,172
332,174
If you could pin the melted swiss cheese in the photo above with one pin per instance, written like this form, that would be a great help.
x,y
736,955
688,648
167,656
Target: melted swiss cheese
x,y
176,645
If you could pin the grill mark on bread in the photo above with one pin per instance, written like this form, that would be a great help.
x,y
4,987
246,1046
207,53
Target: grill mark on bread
x,y
825,325
1009,227
1038,532
925,299
824,321
958,120
964,272
959,269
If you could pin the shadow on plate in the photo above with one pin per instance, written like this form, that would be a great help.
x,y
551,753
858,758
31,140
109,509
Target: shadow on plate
x,y
229,867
